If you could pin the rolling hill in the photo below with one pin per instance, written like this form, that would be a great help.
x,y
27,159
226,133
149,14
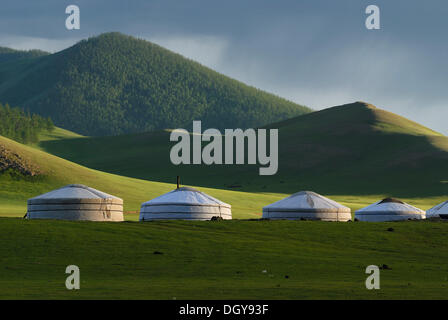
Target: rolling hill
x,y
354,153
351,152
114,84
26,172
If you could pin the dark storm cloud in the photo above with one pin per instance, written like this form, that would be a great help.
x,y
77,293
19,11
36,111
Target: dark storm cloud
x,y
316,52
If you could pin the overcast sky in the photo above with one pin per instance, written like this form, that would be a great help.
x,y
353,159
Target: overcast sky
x,y
314,52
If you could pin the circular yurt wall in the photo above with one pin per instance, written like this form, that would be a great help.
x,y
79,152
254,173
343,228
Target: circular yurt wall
x,y
309,206
76,202
185,204
439,211
389,210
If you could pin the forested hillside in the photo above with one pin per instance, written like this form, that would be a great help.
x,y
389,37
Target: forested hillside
x,y
114,84
21,126
7,54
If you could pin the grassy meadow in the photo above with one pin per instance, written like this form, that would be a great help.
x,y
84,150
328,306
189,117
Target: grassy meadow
x,y
222,260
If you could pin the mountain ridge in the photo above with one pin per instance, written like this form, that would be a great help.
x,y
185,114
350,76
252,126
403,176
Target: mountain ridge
x,y
9,54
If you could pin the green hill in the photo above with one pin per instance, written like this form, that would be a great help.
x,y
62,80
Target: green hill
x,y
114,84
355,153
26,172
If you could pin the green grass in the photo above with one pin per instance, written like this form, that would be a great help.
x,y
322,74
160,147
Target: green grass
x,y
58,134
222,260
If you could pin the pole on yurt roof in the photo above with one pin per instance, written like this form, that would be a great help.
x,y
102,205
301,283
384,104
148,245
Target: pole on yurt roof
x,y
178,182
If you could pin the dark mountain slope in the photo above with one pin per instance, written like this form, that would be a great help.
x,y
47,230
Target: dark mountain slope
x,y
7,54
351,149
114,84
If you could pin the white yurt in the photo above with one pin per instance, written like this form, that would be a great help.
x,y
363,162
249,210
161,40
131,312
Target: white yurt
x,y
389,210
185,204
307,205
439,211
76,202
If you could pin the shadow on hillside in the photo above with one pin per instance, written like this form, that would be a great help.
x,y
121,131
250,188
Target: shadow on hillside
x,y
398,165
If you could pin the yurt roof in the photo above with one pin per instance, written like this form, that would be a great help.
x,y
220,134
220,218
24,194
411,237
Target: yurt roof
x,y
441,208
390,205
307,201
74,192
186,196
